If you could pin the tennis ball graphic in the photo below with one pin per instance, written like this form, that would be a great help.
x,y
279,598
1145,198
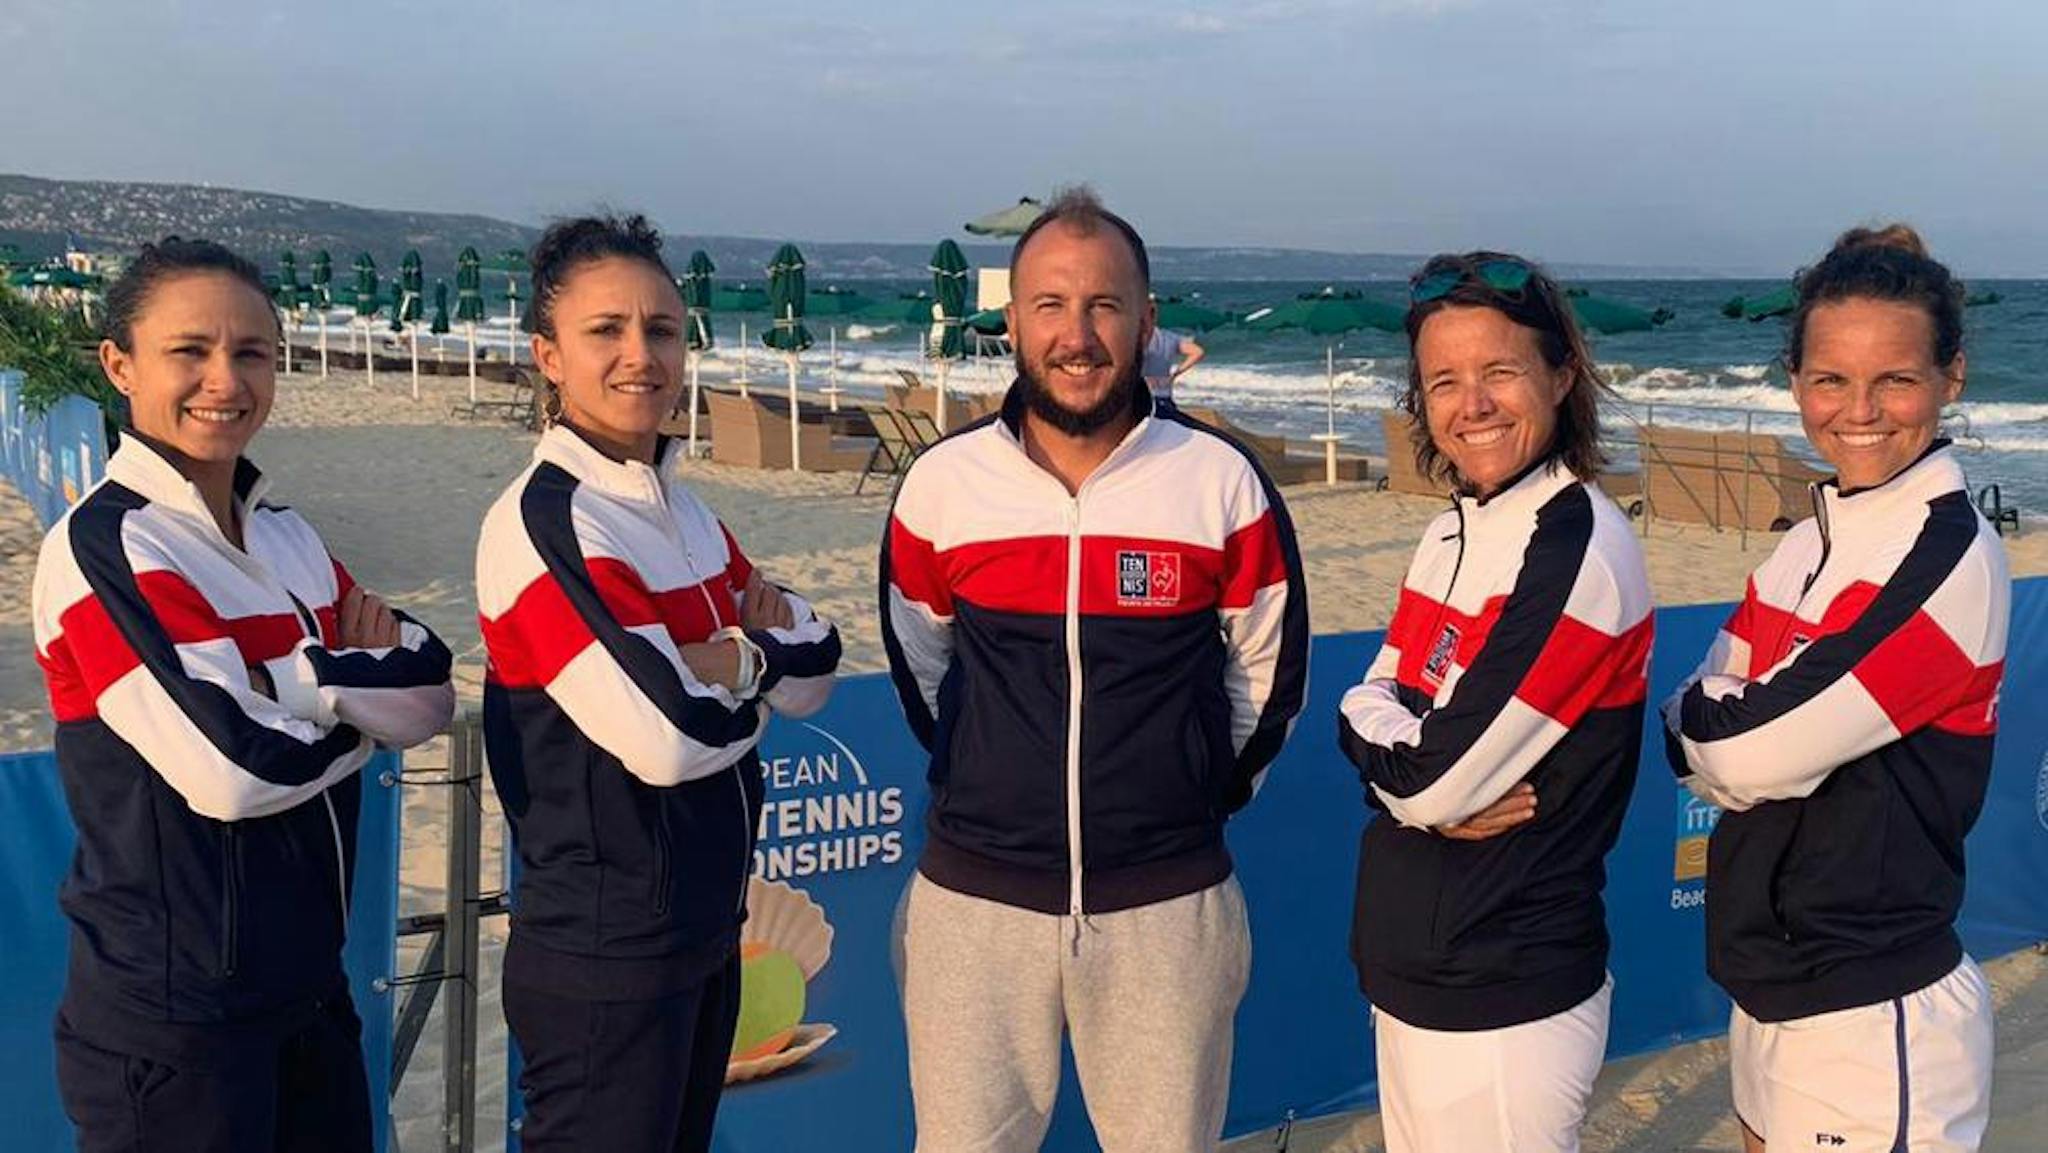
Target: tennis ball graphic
x,y
771,1001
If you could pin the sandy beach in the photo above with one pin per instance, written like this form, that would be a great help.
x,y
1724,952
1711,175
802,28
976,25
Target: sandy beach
x,y
398,487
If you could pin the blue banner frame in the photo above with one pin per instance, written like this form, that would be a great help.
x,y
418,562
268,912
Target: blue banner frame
x,y
1303,1039
35,855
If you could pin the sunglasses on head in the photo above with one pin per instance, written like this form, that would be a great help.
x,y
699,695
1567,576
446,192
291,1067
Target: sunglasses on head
x,y
1502,274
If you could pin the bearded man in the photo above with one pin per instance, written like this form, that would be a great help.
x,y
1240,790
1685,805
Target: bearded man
x,y
1096,621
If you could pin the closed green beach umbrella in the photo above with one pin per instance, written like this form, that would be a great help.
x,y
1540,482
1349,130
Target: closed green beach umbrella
x,y
786,332
786,300
288,287
439,324
469,304
366,307
696,288
413,278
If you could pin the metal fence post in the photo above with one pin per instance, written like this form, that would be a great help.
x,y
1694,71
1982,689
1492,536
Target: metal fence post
x,y
459,953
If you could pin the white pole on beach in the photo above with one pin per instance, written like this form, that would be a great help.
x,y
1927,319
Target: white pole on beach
x,y
369,352
413,331
323,344
471,326
796,463
694,359
832,372
743,358
287,348
944,366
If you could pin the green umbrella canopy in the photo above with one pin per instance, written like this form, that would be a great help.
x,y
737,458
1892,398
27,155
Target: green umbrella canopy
x,y
738,298
439,324
397,298
908,308
988,322
1187,316
1600,314
323,279
469,296
836,302
949,286
366,285
289,292
786,332
414,279
696,289
1329,313
1011,221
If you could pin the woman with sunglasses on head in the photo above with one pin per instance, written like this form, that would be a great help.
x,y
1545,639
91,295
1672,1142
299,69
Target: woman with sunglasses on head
x,y
217,679
1845,717
1498,729
634,657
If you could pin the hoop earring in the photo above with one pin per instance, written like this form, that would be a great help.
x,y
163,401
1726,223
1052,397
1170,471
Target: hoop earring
x,y
550,406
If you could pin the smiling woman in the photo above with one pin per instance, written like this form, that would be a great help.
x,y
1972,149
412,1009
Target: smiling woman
x,y
634,657
218,678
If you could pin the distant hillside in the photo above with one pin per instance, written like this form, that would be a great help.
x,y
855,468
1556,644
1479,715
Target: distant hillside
x,y
37,214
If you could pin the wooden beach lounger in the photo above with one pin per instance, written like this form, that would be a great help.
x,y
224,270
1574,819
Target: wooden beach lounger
x,y
1725,479
748,433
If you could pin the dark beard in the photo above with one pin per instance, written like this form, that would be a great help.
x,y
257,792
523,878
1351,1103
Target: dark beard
x,y
1122,398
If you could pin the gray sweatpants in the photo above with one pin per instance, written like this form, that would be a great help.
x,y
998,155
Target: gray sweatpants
x,y
1147,995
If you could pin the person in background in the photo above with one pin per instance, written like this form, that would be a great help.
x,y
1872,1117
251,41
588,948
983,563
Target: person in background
x,y
635,655
217,678
1168,357
1844,718
1498,729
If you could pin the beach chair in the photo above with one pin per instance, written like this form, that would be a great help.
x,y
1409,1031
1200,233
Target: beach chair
x,y
2003,516
899,439
1725,479
516,405
750,434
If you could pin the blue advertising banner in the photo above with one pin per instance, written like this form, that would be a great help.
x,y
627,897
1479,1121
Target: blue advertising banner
x,y
35,855
54,457
843,827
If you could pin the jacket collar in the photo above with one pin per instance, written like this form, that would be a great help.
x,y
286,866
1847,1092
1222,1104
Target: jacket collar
x,y
629,480
1934,474
141,467
1521,498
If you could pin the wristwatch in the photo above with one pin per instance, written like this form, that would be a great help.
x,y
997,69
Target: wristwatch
x,y
747,681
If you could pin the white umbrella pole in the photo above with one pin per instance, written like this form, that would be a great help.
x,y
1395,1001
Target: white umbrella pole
x,y
413,331
743,358
796,463
369,352
832,374
693,405
1330,444
287,331
470,327
944,366
323,344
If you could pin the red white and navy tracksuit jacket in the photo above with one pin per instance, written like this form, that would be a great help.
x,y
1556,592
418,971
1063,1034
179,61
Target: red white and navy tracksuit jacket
x,y
1845,719
1101,678
216,826
633,787
1519,651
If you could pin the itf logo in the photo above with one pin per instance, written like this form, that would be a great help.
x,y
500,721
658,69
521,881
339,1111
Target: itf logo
x,y
1696,820
1147,578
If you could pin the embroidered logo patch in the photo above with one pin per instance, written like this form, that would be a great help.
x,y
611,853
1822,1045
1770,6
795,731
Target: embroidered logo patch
x,y
1438,666
1147,579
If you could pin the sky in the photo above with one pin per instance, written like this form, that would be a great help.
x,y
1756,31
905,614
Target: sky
x,y
1733,135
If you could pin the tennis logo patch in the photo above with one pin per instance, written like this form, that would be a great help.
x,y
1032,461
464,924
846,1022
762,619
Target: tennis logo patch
x,y
1147,579
1438,666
